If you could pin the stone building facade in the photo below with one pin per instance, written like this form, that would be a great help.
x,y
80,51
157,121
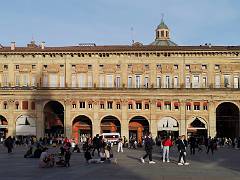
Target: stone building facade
x,y
89,89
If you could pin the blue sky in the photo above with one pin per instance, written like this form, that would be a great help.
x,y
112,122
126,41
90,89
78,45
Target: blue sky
x,y
107,22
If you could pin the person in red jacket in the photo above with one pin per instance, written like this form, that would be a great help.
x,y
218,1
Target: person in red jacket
x,y
167,143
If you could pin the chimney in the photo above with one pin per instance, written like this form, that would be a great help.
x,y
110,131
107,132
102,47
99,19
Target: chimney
x,y
13,46
42,45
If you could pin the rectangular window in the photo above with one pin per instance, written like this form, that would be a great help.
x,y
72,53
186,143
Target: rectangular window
x,y
205,106
158,83
118,82
90,81
101,105
196,106
204,66
188,106
129,82
159,105
82,105
17,67
176,105
187,83
25,105
17,80
109,104
146,82
138,105
81,80
217,81
175,66
25,79
130,106
146,106
34,80
196,81
90,105
217,66
175,83
227,82
236,82
187,66
5,67
62,80
74,80
74,105
45,80
138,81
167,105
109,79
101,81
118,106
53,80
204,82
167,82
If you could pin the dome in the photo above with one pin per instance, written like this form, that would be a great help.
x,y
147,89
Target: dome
x,y
162,25
159,42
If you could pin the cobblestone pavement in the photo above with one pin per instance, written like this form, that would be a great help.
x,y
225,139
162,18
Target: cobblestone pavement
x,y
224,164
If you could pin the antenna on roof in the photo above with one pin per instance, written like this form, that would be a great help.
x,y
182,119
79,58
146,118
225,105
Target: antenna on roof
x,y
132,30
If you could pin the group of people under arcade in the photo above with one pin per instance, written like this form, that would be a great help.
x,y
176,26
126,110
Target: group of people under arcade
x,y
103,148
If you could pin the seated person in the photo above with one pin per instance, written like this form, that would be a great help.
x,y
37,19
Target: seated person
x,y
29,153
88,157
46,160
76,149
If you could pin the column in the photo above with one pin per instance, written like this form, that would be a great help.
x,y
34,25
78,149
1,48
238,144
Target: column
x,y
11,120
183,119
67,119
124,120
153,119
68,72
96,121
39,119
212,120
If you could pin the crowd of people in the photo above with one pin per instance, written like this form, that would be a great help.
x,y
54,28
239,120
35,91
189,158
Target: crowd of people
x,y
99,149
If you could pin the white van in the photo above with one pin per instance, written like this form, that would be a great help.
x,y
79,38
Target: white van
x,y
111,137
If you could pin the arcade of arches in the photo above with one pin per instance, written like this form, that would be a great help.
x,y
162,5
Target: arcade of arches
x,y
55,120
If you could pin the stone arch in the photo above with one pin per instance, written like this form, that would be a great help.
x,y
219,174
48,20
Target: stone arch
x,y
228,120
197,126
3,127
26,125
110,123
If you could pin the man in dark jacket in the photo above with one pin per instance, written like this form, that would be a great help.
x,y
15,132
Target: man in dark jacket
x,y
148,141
96,144
182,147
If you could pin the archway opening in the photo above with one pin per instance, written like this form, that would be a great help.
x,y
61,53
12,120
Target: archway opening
x,y
54,119
26,126
168,126
3,128
110,124
197,128
138,126
81,128
227,119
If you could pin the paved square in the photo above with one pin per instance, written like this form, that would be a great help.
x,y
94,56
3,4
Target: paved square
x,y
224,164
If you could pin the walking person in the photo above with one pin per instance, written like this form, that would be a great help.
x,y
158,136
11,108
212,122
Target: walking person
x,y
182,147
96,144
120,144
9,144
210,145
192,141
167,143
148,148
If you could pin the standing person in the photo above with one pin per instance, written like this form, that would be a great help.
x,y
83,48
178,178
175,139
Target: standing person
x,y
210,145
182,147
148,148
96,144
167,143
67,157
192,141
9,144
120,144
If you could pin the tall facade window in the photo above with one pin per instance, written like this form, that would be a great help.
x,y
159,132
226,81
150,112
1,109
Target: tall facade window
x,y
74,80
138,81
138,105
53,80
187,82
101,80
62,80
34,81
146,82
81,80
82,104
130,82
118,82
236,82
109,81
109,104
25,79
167,105
217,81
204,82
118,106
90,81
227,82
196,106
188,106
5,79
175,82
17,80
167,82
196,81
158,83
130,106
45,80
